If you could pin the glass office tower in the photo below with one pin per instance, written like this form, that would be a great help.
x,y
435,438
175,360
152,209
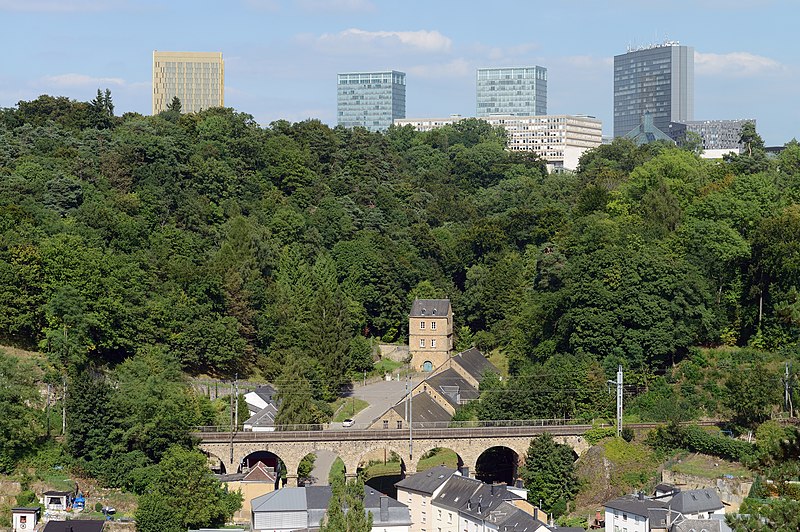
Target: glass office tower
x,y
658,80
517,91
196,78
371,99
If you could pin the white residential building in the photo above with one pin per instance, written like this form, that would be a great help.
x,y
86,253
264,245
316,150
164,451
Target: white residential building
x,y
558,139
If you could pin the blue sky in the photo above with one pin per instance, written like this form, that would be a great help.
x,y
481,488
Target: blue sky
x,y
282,56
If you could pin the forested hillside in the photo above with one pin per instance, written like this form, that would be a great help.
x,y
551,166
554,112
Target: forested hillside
x,y
230,247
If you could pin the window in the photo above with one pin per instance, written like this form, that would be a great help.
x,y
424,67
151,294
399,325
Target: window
x,y
449,517
399,424
433,343
386,423
624,517
422,342
422,325
439,515
433,325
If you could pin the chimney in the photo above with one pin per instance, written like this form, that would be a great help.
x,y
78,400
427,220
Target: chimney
x,y
493,489
464,470
384,508
641,496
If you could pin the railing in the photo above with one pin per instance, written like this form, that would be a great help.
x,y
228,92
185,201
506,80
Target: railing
x,y
459,430
337,427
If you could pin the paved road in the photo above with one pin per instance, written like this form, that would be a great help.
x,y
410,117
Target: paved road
x,y
322,467
381,396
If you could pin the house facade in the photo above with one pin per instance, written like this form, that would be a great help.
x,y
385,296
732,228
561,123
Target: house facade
x,y
24,519
417,492
304,508
430,333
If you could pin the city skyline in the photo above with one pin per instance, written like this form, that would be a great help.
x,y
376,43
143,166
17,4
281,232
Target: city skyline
x,y
282,57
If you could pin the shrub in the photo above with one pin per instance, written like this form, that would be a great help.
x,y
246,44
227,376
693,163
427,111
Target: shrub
x,y
596,434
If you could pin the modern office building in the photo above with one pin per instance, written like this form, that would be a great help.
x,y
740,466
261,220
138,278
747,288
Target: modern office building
x,y
715,134
518,91
659,80
371,99
196,78
558,139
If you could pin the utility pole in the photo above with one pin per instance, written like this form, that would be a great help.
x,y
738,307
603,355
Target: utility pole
x,y
231,394
410,418
787,392
236,389
618,383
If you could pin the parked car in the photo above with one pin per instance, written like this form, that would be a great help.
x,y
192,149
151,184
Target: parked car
x,y
348,423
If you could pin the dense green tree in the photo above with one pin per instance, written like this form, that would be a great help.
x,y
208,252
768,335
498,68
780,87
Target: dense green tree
x,y
549,474
184,494
346,511
751,395
20,417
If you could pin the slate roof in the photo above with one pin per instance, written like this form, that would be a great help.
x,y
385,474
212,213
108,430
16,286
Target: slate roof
x,y
631,504
266,392
474,363
457,492
398,513
428,481
429,307
74,525
472,497
282,500
53,493
715,524
508,518
314,501
264,417
453,387
695,501
424,410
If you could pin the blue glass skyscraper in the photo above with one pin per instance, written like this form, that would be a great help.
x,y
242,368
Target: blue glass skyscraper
x,y
657,80
371,99
517,91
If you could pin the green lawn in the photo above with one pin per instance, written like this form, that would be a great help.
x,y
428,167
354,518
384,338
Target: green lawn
x,y
347,407
386,365
707,466
380,469
439,457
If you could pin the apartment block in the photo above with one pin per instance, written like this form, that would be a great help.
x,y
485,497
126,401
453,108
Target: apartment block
x,y
558,139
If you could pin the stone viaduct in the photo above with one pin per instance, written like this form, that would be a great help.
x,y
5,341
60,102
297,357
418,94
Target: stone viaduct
x,y
352,446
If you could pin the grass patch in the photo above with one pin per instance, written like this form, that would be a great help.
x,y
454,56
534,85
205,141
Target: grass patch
x,y
347,407
437,457
705,466
634,464
337,471
500,361
386,365
379,469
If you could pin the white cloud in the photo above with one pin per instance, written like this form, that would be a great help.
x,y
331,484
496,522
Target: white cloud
x,y
735,64
59,6
81,80
315,6
361,40
452,69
